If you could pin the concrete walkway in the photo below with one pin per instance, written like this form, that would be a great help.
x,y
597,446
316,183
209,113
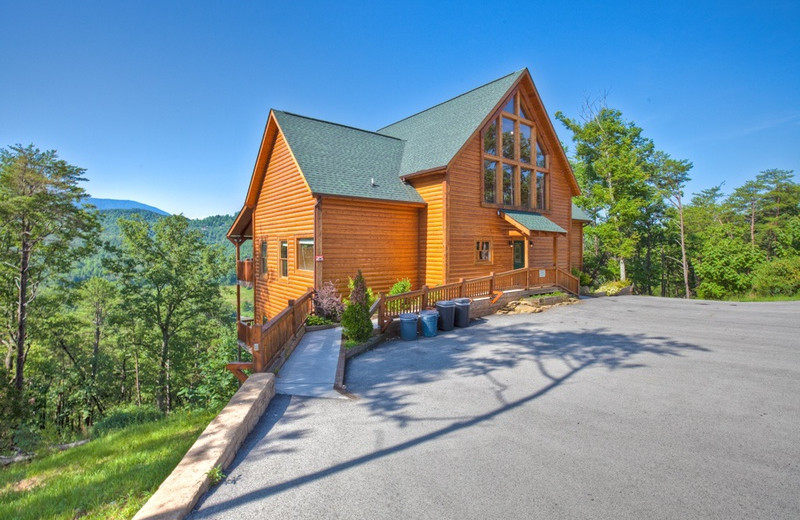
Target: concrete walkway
x,y
311,369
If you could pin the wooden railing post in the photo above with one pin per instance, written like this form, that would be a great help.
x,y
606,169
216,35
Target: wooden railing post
x,y
258,348
381,310
294,316
463,289
527,279
491,283
424,303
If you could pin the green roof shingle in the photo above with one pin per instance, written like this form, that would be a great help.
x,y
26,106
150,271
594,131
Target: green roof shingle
x,y
534,221
579,214
434,136
341,160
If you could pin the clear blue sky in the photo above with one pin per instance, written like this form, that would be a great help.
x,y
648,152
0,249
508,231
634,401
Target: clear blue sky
x,y
165,102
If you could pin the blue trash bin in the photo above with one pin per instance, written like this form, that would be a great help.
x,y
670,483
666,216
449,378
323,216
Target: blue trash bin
x,y
447,311
462,312
408,326
430,320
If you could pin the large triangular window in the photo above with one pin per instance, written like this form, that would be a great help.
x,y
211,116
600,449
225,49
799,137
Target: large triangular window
x,y
515,162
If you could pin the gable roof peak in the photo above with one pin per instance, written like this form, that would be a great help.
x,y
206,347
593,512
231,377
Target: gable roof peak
x,y
515,75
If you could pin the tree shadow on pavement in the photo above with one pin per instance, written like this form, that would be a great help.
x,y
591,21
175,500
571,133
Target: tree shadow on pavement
x,y
385,378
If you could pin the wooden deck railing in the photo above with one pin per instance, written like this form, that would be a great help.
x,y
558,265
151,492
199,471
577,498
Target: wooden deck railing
x,y
390,307
267,340
244,272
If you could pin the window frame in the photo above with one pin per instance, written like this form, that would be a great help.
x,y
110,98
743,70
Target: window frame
x,y
516,163
298,250
479,241
283,262
263,255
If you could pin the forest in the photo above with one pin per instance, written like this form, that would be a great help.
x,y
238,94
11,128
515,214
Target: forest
x,y
114,312
722,243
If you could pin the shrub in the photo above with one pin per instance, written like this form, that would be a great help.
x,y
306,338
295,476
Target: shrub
x,y
613,288
123,416
370,296
328,303
313,320
585,279
400,287
780,277
356,321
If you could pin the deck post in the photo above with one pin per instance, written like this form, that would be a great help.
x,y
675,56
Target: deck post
x,y
527,278
238,244
491,283
424,304
555,251
463,290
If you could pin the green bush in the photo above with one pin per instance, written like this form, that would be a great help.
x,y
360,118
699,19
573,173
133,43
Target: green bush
x,y
585,279
400,287
780,277
313,320
356,321
613,288
123,416
370,296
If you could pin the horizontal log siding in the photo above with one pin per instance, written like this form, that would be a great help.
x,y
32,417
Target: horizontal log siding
x,y
380,239
576,245
431,230
468,221
284,211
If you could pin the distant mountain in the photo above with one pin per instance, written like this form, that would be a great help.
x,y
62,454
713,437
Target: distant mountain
x,y
104,204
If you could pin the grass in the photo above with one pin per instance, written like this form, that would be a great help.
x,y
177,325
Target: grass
x,y
110,477
228,293
546,295
754,298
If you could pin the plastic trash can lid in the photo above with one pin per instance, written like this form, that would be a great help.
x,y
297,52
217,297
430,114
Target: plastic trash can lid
x,y
408,316
428,313
462,301
445,303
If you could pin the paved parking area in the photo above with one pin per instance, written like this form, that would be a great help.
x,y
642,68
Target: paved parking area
x,y
627,407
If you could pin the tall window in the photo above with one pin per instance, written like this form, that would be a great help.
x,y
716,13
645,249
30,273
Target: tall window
x,y
283,262
515,163
263,258
305,254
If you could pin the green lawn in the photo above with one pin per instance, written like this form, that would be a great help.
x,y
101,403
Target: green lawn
x,y
110,477
229,295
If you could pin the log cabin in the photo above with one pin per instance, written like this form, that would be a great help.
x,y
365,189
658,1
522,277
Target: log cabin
x,y
475,185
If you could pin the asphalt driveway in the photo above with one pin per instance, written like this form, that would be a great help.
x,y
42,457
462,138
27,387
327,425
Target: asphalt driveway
x,y
629,407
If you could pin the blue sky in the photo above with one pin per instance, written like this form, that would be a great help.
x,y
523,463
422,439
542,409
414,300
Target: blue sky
x,y
165,102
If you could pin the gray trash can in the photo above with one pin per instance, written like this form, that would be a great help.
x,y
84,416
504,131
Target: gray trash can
x,y
408,326
462,312
430,320
447,310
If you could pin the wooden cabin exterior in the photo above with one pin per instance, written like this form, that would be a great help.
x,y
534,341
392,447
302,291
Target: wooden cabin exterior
x,y
475,185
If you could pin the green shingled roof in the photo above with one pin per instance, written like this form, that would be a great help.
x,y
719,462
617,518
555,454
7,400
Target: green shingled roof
x,y
341,160
534,221
434,136
579,214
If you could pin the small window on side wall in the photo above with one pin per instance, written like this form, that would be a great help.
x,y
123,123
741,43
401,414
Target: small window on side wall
x,y
305,254
483,251
263,258
283,263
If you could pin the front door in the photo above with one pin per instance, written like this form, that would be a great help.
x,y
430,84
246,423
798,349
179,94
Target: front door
x,y
519,254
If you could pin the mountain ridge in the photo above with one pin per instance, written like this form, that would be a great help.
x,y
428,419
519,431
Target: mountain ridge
x,y
121,204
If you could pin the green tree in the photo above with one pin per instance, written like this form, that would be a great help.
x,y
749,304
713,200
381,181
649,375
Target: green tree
x,y
614,167
670,178
43,229
169,280
355,319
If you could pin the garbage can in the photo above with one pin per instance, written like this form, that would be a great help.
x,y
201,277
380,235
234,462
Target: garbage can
x,y
462,312
446,310
408,326
429,320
